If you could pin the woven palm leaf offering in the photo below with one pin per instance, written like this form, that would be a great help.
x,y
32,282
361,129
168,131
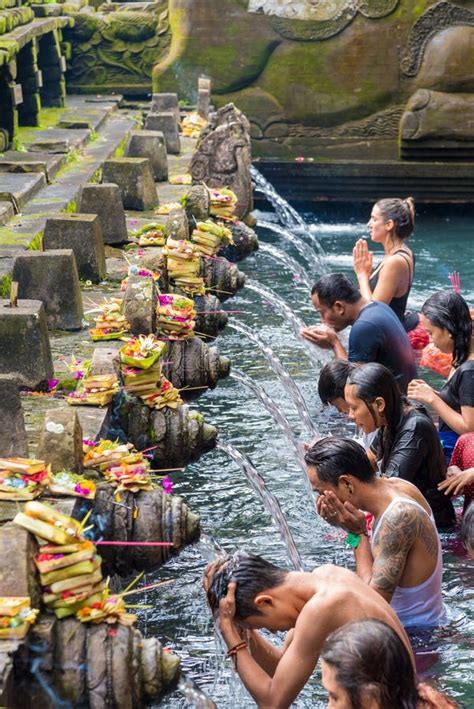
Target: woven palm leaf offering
x,y
111,324
222,203
209,237
183,263
94,390
192,125
153,234
142,375
23,478
66,483
176,316
16,617
121,465
139,271
68,564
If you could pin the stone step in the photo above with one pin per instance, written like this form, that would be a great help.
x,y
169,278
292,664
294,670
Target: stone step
x,y
18,189
86,116
6,212
19,162
57,140
55,198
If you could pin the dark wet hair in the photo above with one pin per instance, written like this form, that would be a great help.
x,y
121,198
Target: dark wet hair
x,y
252,575
449,311
373,380
335,456
335,286
369,656
401,212
332,380
467,527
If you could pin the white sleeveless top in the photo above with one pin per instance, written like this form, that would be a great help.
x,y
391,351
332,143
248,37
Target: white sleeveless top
x,y
420,605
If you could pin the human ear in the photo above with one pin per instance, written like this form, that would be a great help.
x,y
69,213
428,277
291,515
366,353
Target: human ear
x,y
263,599
346,484
380,404
339,307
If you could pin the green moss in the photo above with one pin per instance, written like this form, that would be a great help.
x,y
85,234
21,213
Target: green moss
x,y
120,150
5,285
71,207
36,243
96,178
196,416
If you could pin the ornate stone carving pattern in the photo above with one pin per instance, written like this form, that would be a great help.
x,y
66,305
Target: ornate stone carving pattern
x,y
438,17
307,30
380,125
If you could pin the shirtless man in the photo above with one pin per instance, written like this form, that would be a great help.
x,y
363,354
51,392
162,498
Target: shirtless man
x,y
247,593
402,560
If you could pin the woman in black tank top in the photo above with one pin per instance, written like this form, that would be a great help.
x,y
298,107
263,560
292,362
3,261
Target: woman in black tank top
x,y
391,222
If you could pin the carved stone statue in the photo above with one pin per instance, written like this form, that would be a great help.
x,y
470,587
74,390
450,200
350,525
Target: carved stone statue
x,y
223,158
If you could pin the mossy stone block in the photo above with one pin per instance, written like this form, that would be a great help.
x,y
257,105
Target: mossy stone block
x,y
25,352
81,233
135,181
105,200
150,144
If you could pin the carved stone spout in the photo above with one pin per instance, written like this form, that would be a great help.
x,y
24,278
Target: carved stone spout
x,y
192,363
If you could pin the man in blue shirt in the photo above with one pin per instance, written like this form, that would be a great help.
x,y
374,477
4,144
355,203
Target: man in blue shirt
x,y
377,334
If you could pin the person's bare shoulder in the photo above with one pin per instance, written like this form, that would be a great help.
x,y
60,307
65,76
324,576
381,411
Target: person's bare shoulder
x,y
407,489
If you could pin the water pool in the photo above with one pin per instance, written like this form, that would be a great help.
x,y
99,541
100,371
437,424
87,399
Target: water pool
x,y
216,488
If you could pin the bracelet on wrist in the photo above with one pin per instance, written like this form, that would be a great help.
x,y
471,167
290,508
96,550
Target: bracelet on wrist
x,y
232,653
353,540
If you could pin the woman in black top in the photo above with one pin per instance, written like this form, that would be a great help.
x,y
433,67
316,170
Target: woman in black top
x,y
407,444
445,315
391,222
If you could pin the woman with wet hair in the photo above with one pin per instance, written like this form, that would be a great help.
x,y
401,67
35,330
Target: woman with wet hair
x,y
446,317
365,665
391,223
407,444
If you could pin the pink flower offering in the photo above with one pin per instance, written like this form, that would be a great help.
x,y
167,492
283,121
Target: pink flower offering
x,y
167,485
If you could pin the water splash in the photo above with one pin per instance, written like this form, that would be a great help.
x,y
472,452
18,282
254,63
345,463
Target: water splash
x,y
305,251
280,418
288,261
193,694
268,499
317,356
286,380
286,214
209,548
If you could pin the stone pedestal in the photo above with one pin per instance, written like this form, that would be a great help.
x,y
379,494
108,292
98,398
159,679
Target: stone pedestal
x,y
82,234
105,200
25,352
166,123
135,181
18,575
60,442
139,305
51,277
165,103
104,360
177,225
12,423
197,203
150,144
204,103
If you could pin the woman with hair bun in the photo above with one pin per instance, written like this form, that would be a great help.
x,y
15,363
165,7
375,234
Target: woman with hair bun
x,y
365,665
391,223
446,317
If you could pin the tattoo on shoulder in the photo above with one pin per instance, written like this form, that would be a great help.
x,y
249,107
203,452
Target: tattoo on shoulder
x,y
401,527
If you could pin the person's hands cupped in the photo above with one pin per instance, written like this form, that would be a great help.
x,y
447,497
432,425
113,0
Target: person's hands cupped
x,y
420,391
320,336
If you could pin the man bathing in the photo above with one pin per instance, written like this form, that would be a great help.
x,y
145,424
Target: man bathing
x,y
377,334
247,593
402,561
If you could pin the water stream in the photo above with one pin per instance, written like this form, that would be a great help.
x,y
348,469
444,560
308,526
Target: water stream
x,y
288,261
285,378
268,499
305,251
229,508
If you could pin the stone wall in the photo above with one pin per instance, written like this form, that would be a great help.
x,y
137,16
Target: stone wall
x,y
307,73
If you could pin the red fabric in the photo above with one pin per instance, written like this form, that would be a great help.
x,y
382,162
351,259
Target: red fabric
x,y
435,360
418,337
463,458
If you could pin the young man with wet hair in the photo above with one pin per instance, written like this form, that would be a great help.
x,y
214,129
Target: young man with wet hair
x,y
402,560
246,593
331,383
377,334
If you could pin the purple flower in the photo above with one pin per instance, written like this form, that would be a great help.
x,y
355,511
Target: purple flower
x,y
52,384
88,442
167,485
133,221
79,374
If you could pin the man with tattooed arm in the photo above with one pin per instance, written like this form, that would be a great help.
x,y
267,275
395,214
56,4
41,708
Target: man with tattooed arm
x,y
402,559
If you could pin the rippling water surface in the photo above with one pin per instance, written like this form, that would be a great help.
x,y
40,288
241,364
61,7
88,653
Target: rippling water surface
x,y
216,488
